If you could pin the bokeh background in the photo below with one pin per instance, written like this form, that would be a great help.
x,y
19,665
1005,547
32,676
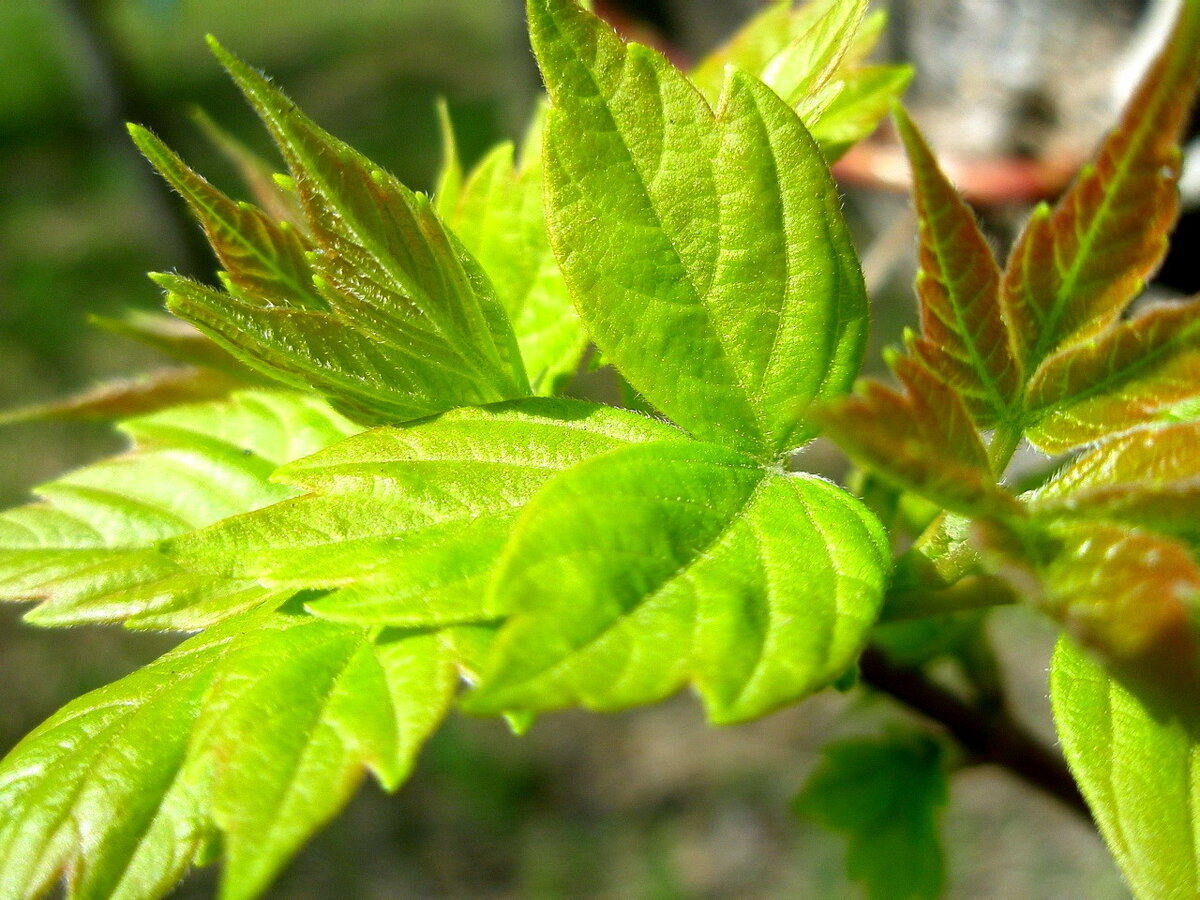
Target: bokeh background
x,y
650,804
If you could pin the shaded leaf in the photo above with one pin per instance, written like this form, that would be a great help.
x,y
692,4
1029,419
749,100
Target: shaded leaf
x,y
659,564
1138,769
886,796
967,341
719,276
1074,270
500,216
921,439
129,397
87,549
1130,376
365,377
1149,478
177,340
405,524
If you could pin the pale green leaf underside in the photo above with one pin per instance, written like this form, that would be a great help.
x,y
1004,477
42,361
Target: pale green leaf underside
x,y
404,524
1140,774
259,727
87,549
655,565
707,253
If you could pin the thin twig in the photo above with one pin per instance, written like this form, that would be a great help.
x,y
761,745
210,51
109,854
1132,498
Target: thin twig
x,y
988,736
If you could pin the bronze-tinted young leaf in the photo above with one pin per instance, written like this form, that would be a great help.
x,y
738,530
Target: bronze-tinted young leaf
x,y
969,343
385,256
367,378
264,258
129,397
1132,375
1149,477
277,201
921,438
1130,596
1074,270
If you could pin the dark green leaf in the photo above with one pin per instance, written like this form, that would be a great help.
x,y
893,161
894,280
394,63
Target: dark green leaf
x,y
886,797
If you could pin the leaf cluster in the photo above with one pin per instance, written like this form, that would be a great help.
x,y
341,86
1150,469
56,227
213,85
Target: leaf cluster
x,y
369,490
382,493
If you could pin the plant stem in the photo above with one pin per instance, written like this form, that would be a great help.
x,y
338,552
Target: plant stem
x,y
1005,441
988,736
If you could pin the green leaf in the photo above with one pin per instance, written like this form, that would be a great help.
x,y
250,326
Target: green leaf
x,y
967,342
1074,270
500,216
260,727
803,73
450,175
405,524
87,550
293,719
1131,375
363,376
886,796
262,257
718,274
650,566
812,57
1138,769
423,329
923,440
1149,477
867,94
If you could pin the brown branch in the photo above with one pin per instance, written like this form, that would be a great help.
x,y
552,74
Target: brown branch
x,y
988,736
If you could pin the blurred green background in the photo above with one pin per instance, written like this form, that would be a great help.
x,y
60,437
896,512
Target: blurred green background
x,y
646,805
